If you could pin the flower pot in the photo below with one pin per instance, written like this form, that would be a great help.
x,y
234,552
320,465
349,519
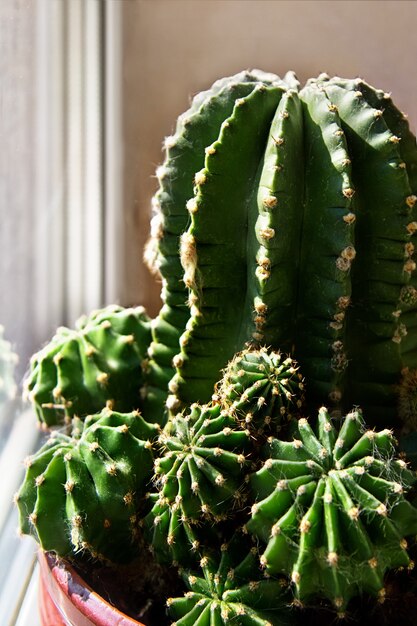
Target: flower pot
x,y
65,599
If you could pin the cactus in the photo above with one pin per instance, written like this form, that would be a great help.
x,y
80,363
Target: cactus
x,y
262,389
302,213
331,509
285,218
199,476
182,172
99,363
8,361
229,588
82,493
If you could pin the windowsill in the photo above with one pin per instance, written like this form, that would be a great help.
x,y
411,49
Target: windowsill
x,y
18,567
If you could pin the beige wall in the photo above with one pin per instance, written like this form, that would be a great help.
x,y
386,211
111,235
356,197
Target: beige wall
x,y
174,48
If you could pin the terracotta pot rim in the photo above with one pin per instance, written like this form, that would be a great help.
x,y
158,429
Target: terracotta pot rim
x,y
66,586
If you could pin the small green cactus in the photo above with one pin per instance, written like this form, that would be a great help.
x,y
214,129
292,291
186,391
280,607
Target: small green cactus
x,y
229,588
262,389
199,476
82,493
8,361
99,363
331,509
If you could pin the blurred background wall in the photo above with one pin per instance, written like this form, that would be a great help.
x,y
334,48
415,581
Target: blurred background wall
x,y
171,49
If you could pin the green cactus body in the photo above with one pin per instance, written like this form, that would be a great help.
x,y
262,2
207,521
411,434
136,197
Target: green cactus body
x,y
229,588
182,172
380,331
407,412
199,477
407,400
81,493
98,363
8,361
214,252
331,509
298,235
262,389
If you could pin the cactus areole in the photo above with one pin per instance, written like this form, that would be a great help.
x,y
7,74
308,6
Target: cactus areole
x,y
295,214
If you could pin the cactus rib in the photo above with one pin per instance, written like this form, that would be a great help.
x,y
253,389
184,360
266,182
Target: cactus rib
x,y
182,172
214,253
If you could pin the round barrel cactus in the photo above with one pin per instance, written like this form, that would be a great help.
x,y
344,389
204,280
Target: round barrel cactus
x,y
98,363
331,509
200,479
263,389
83,492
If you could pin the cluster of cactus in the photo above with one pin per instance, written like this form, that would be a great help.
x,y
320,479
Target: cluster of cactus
x,y
321,509
283,235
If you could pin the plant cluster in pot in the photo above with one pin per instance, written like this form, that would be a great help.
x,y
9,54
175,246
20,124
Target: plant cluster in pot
x,y
236,460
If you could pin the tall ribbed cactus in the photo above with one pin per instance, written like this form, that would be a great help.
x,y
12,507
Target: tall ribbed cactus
x,y
302,215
